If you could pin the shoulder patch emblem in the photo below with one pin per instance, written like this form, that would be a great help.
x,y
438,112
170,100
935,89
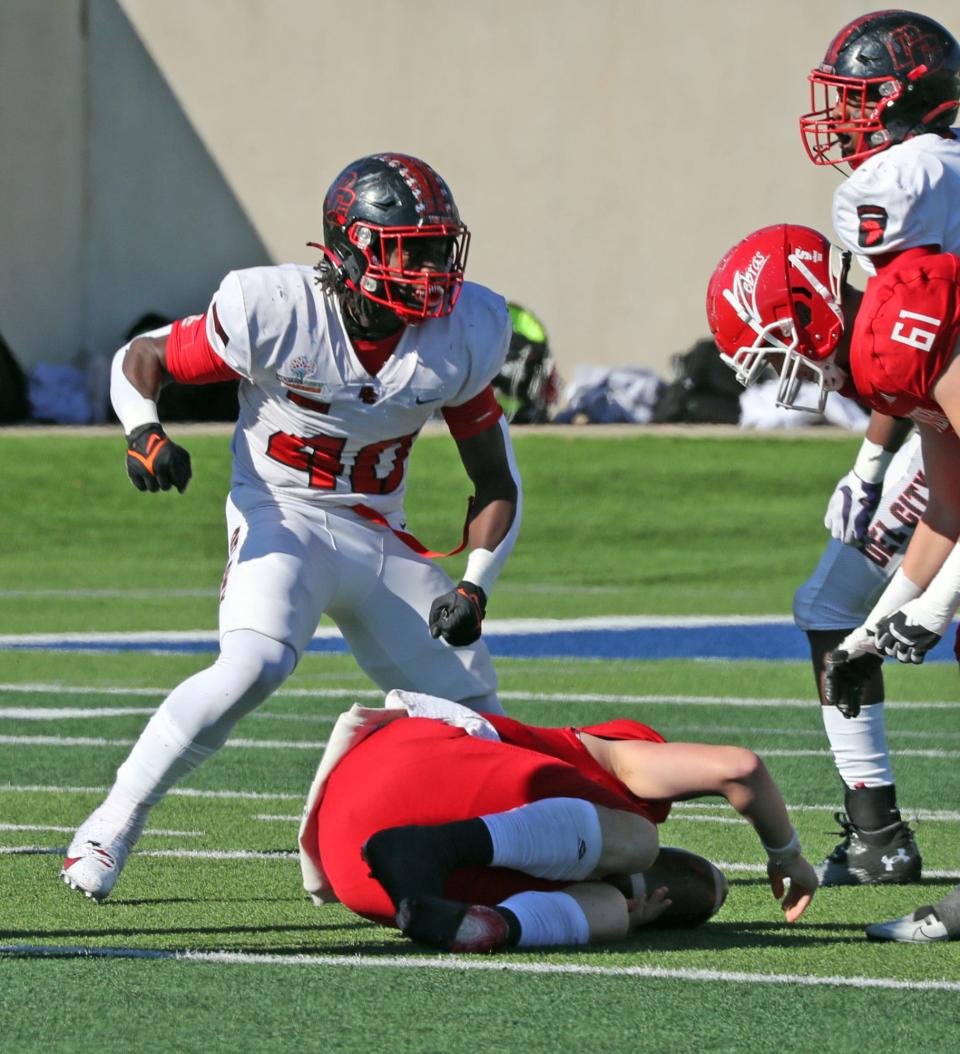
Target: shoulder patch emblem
x,y
873,224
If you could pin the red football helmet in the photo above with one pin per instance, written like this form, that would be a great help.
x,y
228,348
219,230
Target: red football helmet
x,y
774,300
886,76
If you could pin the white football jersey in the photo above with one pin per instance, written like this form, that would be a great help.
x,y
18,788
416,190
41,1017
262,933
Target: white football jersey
x,y
902,198
313,424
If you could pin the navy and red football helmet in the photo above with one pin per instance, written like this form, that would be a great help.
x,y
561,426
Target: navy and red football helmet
x,y
887,76
393,234
774,301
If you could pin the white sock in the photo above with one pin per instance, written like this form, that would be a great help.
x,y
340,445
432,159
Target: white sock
x,y
555,838
159,758
548,918
859,746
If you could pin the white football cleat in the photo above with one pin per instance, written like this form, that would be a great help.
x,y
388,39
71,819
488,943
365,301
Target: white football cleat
x,y
92,869
919,927
97,854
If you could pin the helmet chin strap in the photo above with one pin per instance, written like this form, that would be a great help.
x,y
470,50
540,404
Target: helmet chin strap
x,y
362,317
365,319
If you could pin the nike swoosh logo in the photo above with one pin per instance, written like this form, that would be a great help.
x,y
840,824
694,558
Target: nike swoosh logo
x,y
420,401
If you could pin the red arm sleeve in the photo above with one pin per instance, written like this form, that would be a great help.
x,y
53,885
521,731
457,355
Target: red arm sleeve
x,y
473,417
191,358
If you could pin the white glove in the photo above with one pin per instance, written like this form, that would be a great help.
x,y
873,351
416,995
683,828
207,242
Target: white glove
x,y
851,508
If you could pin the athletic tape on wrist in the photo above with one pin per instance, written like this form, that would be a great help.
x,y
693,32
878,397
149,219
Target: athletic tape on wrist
x,y
482,569
872,461
786,852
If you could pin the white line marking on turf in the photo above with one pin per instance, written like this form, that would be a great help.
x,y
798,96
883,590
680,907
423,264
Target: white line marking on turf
x,y
96,741
176,792
286,744
535,697
278,819
911,814
52,713
136,594
500,964
179,854
728,866
189,792
70,830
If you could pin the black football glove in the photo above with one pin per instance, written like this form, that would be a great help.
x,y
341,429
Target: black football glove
x,y
845,680
456,616
896,635
155,462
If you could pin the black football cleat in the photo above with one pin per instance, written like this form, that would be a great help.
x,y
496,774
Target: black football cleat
x,y
887,856
452,926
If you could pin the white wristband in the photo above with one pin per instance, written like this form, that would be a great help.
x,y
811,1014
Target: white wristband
x,y
786,852
872,461
482,569
132,408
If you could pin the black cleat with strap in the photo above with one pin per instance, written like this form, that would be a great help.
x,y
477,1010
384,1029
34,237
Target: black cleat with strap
x,y
886,856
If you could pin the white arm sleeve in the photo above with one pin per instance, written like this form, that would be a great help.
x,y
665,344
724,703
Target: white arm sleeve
x,y
132,409
936,606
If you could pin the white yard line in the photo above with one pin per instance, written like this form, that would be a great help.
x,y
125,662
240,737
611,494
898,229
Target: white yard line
x,y
238,795
96,741
34,688
286,744
69,830
176,792
178,854
727,866
73,713
499,964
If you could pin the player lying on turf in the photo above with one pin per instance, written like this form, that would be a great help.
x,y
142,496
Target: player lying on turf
x,y
475,832
779,298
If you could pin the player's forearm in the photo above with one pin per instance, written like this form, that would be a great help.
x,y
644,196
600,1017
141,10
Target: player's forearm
x,y
758,800
888,432
497,507
136,377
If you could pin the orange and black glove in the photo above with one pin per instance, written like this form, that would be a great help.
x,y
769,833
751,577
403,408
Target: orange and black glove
x,y
456,616
155,462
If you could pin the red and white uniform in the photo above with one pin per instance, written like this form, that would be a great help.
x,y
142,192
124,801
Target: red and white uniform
x,y
319,436
423,771
905,197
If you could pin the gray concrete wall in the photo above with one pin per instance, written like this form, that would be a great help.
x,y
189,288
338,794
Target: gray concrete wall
x,y
604,154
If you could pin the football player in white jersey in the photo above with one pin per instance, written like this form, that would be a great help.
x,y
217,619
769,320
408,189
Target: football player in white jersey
x,y
882,102
339,368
